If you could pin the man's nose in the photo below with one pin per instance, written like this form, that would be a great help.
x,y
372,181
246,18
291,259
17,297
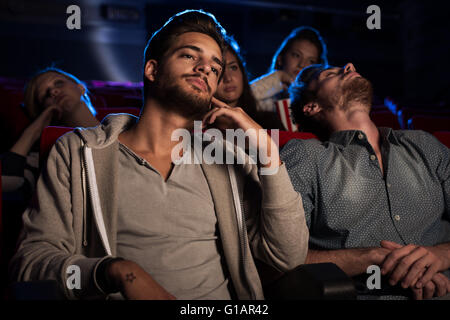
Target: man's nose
x,y
203,67
349,67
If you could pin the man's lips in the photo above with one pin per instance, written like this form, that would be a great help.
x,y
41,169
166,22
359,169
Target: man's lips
x,y
198,82
352,75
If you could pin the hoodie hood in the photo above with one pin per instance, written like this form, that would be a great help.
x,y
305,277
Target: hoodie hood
x,y
107,132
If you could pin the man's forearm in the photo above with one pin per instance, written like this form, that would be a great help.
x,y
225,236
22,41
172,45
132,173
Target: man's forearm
x,y
352,261
282,230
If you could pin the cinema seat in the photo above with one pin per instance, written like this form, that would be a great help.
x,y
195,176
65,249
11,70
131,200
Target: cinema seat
x,y
285,136
385,118
429,123
405,113
118,97
320,281
443,137
48,138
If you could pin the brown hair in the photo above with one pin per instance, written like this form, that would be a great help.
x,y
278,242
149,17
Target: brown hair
x,y
301,94
186,21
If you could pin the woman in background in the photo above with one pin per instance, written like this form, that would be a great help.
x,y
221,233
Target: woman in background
x,y
304,46
52,97
234,88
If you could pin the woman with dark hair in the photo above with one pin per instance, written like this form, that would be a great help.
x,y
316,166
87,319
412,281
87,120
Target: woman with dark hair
x,y
303,47
234,88
52,97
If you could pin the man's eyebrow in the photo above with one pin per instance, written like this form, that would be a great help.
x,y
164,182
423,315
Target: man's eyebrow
x,y
195,48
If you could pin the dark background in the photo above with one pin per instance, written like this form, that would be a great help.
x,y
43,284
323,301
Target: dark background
x,y
406,60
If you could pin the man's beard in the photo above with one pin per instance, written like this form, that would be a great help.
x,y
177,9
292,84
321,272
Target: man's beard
x,y
188,104
358,90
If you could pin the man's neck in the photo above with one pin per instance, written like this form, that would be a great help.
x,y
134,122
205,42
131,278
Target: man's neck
x,y
357,118
152,133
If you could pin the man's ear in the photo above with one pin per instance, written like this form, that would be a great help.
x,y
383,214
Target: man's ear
x,y
150,70
311,108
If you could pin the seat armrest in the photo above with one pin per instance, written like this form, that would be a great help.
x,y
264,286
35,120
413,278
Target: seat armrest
x,y
321,281
36,290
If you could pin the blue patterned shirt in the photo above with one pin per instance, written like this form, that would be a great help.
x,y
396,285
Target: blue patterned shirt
x,y
350,203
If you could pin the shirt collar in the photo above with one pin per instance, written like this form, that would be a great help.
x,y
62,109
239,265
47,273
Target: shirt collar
x,y
389,134
345,137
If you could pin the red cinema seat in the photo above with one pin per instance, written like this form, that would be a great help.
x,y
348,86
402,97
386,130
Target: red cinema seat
x,y
383,118
118,97
405,113
103,112
48,138
443,137
285,136
429,123
97,101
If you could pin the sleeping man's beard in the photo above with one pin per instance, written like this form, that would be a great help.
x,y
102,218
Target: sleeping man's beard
x,y
357,90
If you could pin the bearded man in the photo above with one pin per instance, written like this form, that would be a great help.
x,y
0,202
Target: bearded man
x,y
112,202
372,196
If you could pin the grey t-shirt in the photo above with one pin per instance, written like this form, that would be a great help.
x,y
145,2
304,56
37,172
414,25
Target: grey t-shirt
x,y
169,227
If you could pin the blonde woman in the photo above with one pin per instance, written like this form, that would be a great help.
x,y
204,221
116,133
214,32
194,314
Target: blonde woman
x,y
52,97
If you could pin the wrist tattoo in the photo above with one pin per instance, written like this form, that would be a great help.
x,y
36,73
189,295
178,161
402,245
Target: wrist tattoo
x,y
130,277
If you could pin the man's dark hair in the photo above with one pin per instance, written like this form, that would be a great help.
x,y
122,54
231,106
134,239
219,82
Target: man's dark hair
x,y
301,33
182,22
301,94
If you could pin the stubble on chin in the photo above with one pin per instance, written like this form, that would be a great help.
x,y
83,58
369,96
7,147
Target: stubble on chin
x,y
357,90
188,103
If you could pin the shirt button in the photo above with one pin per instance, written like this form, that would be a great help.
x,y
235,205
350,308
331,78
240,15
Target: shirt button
x,y
360,136
373,157
397,217
388,185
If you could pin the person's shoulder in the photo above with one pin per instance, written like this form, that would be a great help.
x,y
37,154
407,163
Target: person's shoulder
x,y
313,145
412,133
418,137
301,152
